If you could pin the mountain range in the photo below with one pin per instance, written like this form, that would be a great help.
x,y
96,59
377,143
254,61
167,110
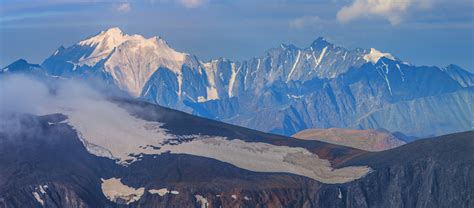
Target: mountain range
x,y
319,86
101,124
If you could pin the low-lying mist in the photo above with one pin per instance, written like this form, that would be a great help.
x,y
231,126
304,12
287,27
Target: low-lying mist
x,y
23,94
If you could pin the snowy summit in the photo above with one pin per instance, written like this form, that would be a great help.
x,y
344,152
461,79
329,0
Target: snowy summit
x,y
375,55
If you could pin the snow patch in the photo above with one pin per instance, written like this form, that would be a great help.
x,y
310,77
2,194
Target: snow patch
x,y
201,201
232,79
42,189
295,96
201,99
294,66
212,93
163,191
38,198
321,55
385,76
211,89
160,192
117,192
258,64
401,73
174,192
180,83
263,157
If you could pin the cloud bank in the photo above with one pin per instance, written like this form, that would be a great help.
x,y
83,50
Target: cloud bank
x,y
305,21
24,94
21,93
392,10
192,3
124,7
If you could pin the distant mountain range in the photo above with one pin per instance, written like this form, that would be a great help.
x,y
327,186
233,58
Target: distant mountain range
x,y
286,90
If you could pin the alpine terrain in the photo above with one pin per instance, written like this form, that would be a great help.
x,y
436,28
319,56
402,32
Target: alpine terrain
x,y
63,144
236,104
319,86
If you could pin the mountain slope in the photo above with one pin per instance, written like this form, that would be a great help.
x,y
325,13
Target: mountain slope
x,y
434,172
449,112
320,86
45,163
22,66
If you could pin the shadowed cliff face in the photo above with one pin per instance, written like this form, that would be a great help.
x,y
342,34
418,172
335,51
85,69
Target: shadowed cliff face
x,y
45,163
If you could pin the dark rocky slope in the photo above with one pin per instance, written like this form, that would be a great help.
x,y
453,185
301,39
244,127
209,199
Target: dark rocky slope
x,y
436,172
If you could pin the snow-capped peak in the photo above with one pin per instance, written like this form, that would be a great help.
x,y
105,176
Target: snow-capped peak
x,y
107,39
136,58
129,59
374,55
103,44
160,41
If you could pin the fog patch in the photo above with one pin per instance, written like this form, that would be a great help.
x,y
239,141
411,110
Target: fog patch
x,y
22,94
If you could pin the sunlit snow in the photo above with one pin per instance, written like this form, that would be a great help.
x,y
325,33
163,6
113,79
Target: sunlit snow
x,y
131,59
201,201
163,191
116,191
375,55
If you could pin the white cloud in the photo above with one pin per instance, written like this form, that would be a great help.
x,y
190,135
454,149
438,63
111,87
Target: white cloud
x,y
305,21
124,7
192,3
393,10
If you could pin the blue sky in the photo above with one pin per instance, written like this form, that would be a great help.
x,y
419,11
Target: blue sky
x,y
422,32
